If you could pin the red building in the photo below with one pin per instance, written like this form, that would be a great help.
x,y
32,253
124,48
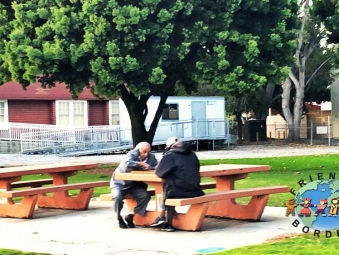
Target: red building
x,y
54,106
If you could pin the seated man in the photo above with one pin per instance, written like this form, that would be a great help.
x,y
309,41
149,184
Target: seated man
x,y
180,169
138,159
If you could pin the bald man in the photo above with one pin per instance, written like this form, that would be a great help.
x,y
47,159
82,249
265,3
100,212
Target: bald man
x,y
139,158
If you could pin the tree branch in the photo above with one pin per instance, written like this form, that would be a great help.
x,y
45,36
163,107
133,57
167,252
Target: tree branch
x,y
301,32
293,78
143,101
314,73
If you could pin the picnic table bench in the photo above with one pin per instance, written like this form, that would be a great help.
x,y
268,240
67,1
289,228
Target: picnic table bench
x,y
220,203
36,192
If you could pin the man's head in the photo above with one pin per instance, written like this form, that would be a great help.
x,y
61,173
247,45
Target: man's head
x,y
144,148
171,141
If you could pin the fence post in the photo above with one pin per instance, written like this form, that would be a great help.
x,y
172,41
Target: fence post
x,y
329,130
311,133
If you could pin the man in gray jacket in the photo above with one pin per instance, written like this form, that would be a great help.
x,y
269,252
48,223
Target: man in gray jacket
x,y
139,158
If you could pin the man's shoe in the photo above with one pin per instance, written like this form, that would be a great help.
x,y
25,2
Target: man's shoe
x,y
122,224
158,221
168,228
129,220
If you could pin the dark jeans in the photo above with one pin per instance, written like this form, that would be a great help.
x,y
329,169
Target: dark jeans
x,y
169,209
139,191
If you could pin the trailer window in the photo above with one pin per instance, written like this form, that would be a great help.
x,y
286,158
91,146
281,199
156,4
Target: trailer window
x,y
170,112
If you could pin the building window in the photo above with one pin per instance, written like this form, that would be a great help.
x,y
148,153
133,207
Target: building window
x,y
3,112
114,112
170,112
71,113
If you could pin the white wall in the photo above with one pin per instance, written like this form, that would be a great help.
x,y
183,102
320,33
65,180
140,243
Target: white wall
x,y
215,109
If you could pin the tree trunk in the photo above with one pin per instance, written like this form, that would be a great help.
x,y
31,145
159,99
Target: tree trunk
x,y
239,121
298,105
154,124
286,86
137,110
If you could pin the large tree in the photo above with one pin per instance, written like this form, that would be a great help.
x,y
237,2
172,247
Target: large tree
x,y
142,48
311,40
318,77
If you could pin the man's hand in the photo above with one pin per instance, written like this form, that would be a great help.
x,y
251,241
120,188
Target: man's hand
x,y
143,165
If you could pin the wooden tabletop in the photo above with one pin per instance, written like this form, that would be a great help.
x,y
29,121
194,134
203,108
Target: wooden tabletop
x,y
146,176
205,171
44,169
231,169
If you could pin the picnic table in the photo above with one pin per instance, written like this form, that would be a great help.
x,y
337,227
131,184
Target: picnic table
x,y
35,192
220,203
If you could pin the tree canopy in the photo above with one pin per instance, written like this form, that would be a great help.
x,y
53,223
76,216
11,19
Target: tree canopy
x,y
150,45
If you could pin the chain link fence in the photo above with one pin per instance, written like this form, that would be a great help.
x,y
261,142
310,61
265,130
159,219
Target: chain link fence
x,y
313,130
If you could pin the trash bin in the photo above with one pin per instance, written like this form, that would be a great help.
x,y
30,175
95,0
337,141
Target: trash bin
x,y
257,127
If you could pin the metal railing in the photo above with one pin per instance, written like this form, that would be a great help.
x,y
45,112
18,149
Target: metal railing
x,y
111,138
11,131
62,136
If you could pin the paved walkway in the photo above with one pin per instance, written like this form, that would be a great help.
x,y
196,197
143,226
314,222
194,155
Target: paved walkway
x,y
253,151
96,232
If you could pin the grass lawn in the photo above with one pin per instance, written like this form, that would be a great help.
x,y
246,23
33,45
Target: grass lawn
x,y
296,245
15,252
285,171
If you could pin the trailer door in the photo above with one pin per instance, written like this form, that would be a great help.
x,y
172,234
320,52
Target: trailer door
x,y
199,115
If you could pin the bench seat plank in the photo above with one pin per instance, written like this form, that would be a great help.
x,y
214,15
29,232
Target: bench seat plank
x,y
203,185
31,183
38,196
54,188
222,204
214,196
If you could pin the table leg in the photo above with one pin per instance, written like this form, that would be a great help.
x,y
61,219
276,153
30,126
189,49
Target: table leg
x,y
24,209
62,199
9,208
229,208
192,219
150,216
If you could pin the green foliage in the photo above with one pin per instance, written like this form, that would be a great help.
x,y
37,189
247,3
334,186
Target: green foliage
x,y
328,11
150,44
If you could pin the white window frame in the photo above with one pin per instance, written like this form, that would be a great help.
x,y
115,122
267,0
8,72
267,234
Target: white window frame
x,y
4,125
71,107
110,111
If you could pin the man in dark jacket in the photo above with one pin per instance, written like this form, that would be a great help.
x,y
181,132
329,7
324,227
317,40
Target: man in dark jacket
x,y
180,169
138,159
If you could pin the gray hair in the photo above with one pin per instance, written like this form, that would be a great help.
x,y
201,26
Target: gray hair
x,y
142,145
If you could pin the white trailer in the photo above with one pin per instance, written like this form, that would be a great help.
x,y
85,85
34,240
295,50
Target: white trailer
x,y
187,118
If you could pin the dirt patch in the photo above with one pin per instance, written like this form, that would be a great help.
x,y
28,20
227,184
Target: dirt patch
x,y
283,237
102,171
